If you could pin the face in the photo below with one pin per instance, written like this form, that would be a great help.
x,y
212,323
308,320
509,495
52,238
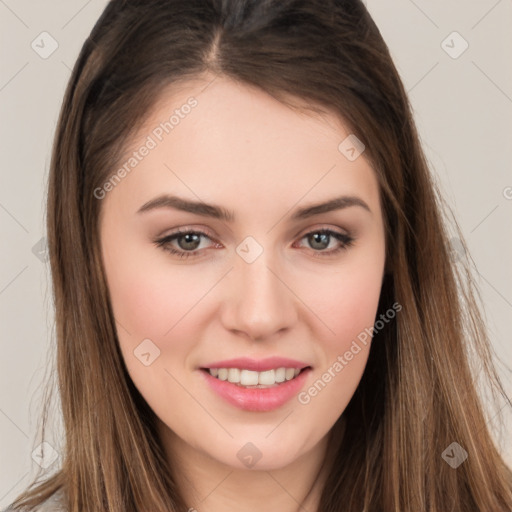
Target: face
x,y
257,280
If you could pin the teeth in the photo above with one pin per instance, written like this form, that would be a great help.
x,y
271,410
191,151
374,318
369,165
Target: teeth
x,y
251,378
267,378
248,378
234,375
280,375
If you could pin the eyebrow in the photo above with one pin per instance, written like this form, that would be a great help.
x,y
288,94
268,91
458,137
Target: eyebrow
x,y
218,212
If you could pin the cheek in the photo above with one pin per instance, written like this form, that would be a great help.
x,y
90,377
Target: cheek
x,y
346,303
150,298
153,302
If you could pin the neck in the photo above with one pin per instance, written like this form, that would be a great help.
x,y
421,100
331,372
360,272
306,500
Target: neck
x,y
208,485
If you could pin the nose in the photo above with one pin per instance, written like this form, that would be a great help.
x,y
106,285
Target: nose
x,y
259,303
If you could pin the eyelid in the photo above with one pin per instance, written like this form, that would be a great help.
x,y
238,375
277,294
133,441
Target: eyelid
x,y
187,229
209,234
200,230
322,227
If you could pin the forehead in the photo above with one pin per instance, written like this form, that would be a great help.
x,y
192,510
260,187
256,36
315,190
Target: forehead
x,y
226,142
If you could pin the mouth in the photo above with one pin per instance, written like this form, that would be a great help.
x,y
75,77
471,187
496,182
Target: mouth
x,y
256,391
251,379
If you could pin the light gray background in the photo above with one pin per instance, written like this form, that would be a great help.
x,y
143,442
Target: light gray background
x,y
462,107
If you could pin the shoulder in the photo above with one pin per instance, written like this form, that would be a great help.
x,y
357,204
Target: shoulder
x,y
54,503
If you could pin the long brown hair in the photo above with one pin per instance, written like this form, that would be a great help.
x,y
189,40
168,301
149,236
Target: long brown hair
x,y
419,392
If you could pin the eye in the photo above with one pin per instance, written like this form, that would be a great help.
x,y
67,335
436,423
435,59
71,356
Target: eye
x,y
188,242
320,239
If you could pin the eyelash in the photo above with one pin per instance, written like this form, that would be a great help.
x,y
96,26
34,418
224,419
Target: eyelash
x,y
164,243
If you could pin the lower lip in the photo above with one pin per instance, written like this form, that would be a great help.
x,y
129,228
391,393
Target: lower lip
x,y
257,399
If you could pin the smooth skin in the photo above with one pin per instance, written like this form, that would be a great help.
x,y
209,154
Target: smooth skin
x,y
244,151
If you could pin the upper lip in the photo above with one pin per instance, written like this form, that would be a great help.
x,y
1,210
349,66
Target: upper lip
x,y
258,365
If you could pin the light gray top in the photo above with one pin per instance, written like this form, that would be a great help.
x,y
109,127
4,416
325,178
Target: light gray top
x,y
53,504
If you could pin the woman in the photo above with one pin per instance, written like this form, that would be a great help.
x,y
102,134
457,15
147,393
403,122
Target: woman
x,y
255,297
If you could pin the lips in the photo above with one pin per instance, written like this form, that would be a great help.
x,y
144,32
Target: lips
x,y
256,397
